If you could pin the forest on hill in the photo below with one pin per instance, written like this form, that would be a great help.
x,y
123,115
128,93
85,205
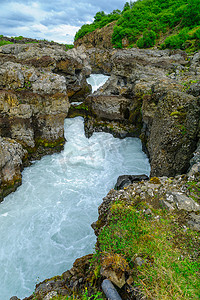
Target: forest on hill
x,y
146,23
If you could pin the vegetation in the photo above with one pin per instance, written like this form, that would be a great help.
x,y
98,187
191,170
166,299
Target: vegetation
x,y
69,46
145,23
18,38
3,42
100,20
170,254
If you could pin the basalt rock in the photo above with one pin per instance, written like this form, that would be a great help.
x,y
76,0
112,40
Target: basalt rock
x,y
36,83
100,60
125,180
52,58
157,92
11,158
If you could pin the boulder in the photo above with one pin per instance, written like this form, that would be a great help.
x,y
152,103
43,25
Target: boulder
x,y
125,180
178,200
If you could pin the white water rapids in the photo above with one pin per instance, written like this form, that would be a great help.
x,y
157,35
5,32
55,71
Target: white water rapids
x,y
45,224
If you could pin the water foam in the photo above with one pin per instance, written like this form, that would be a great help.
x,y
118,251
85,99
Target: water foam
x,y
45,224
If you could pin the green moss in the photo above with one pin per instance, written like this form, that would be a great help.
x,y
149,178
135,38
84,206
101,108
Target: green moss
x,y
81,106
176,113
49,144
155,180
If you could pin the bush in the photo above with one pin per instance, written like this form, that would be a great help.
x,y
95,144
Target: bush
x,y
148,39
68,46
191,14
3,42
176,41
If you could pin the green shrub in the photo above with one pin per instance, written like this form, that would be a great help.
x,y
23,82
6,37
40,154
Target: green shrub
x,y
68,46
3,42
191,14
147,17
100,20
19,38
176,41
148,39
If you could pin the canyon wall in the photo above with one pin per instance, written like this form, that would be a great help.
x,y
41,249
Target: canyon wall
x,y
37,84
154,95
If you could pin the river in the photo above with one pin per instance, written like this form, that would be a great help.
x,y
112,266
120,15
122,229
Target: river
x,y
45,224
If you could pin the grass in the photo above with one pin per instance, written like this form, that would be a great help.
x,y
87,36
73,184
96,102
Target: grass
x,y
172,266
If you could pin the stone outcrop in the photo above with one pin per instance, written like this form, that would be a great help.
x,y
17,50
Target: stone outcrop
x,y
99,38
156,95
36,86
12,155
70,64
100,60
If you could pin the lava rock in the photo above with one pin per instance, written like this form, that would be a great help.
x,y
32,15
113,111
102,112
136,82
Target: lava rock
x,y
125,180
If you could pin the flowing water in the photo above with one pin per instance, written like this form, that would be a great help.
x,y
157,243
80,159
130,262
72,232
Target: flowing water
x,y
96,81
45,224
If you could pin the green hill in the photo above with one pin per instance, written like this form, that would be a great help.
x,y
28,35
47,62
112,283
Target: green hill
x,y
147,23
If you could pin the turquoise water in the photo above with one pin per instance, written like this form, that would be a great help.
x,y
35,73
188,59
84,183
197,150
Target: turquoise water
x,y
45,224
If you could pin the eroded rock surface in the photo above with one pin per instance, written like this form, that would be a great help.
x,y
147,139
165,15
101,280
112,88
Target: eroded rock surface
x,y
36,85
11,157
100,38
155,95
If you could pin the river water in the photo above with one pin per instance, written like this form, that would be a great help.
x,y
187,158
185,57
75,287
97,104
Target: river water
x,y
45,224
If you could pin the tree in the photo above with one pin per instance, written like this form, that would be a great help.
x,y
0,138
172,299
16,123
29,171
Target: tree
x,y
126,6
192,13
99,15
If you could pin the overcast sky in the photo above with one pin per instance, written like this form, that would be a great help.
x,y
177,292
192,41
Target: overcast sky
x,y
56,20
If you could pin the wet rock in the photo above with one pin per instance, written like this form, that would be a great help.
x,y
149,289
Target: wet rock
x,y
125,180
11,157
108,107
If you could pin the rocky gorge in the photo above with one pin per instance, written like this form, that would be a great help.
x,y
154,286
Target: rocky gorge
x,y
151,94
36,84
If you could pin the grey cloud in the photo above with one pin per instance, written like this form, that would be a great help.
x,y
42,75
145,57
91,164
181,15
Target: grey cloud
x,y
15,20
59,12
19,17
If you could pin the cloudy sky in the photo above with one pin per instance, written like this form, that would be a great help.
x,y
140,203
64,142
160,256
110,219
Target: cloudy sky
x,y
56,20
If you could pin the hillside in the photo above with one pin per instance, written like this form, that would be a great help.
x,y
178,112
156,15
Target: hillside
x,y
149,23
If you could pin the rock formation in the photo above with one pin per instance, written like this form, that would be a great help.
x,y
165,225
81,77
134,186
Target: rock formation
x,y
155,95
36,85
100,38
151,94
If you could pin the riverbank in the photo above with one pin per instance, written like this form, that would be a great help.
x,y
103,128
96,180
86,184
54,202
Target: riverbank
x,y
148,237
151,94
